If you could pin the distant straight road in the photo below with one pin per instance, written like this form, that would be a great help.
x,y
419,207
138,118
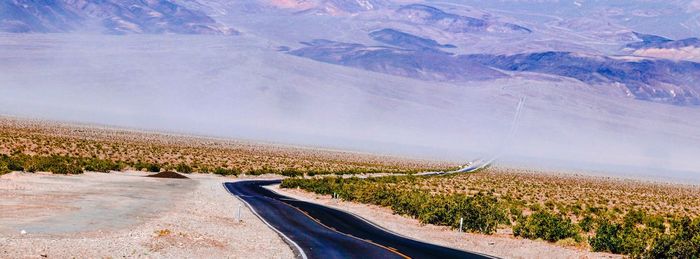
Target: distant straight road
x,y
316,231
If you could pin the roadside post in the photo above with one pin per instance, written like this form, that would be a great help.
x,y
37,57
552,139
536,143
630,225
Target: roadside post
x,y
238,215
461,223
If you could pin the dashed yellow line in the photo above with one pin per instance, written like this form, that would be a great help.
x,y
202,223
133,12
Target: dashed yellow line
x,y
390,249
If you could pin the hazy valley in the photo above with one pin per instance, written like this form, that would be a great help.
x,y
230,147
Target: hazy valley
x,y
578,102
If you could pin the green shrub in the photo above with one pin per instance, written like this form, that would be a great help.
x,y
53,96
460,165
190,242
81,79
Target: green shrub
x,y
482,212
226,171
547,226
66,169
515,213
204,169
53,164
4,159
683,241
655,222
631,237
183,168
100,165
606,238
586,224
635,233
14,165
291,172
3,168
261,171
154,168
140,166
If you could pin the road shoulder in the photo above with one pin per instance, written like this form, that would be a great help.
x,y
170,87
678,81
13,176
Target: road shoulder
x,y
500,244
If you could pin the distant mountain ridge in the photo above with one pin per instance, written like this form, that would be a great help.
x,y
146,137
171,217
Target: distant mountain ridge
x,y
114,16
432,41
653,41
425,63
406,40
429,15
37,16
662,81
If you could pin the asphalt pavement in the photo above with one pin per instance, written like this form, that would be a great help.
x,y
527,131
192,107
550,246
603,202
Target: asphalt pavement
x,y
317,231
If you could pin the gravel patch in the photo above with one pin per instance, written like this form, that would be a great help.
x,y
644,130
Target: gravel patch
x,y
99,215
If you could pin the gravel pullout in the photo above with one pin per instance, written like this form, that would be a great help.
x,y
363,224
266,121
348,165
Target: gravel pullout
x,y
147,218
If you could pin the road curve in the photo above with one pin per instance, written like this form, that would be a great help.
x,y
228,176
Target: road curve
x,y
316,231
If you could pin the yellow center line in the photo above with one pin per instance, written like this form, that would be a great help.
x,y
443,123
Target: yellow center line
x,y
390,249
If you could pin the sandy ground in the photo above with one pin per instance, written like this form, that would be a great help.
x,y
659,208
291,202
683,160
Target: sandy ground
x,y
500,244
99,215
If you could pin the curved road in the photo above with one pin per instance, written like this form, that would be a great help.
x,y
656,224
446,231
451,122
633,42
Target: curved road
x,y
316,231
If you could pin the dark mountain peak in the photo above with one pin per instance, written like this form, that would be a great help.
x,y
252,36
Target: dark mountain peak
x,y
426,11
455,23
405,40
424,14
424,64
516,28
159,17
545,55
658,80
330,43
649,38
653,41
689,42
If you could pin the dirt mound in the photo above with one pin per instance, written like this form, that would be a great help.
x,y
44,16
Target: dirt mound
x,y
168,174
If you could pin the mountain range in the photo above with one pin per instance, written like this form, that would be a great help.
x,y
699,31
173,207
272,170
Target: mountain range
x,y
110,16
417,40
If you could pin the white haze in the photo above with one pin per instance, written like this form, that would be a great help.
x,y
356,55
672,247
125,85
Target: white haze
x,y
241,87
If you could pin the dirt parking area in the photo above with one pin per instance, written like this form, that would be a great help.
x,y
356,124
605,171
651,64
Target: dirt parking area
x,y
98,215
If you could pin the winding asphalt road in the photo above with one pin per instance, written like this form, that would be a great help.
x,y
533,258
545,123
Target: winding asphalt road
x,y
316,231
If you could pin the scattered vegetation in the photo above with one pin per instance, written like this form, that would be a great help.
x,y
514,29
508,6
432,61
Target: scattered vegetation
x,y
642,236
547,226
642,220
639,219
183,168
226,171
55,164
41,146
481,212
